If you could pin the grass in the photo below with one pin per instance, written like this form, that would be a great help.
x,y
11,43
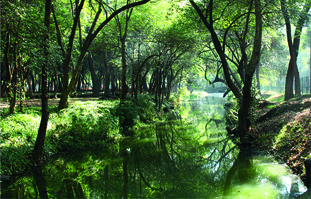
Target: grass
x,y
84,124
278,98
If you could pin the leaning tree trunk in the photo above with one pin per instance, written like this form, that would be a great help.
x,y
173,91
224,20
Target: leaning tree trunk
x,y
39,145
243,116
89,38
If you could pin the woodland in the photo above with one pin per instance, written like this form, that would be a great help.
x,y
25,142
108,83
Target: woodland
x,y
141,57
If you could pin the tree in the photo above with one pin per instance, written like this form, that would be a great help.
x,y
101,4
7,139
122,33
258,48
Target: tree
x,y
293,45
18,51
91,35
38,149
244,97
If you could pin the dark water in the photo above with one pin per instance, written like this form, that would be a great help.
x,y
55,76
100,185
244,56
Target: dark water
x,y
188,156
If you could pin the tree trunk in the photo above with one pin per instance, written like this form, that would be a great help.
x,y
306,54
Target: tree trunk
x,y
39,145
144,83
170,77
13,94
89,38
79,84
159,89
55,82
152,83
141,89
236,91
257,77
96,83
107,76
245,96
7,63
293,49
30,88
21,89
40,180
123,40
60,84
123,78
3,90
33,84
113,81
243,115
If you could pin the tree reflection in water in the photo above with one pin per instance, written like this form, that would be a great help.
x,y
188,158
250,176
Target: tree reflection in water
x,y
241,167
181,158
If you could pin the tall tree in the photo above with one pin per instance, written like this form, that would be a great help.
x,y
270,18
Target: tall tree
x,y
68,87
39,145
310,60
123,35
249,66
293,45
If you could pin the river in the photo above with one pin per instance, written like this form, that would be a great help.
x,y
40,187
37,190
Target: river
x,y
187,156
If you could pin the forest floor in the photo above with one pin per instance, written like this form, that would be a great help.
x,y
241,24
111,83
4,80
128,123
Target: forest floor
x,y
283,129
37,102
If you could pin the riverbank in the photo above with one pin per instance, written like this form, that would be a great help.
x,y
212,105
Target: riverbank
x,y
85,124
283,129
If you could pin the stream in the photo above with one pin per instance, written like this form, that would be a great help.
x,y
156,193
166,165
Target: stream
x,y
188,156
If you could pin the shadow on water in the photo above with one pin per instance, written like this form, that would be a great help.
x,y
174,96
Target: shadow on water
x,y
187,156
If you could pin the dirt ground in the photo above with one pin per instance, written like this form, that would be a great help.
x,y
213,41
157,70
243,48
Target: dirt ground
x,y
37,102
285,132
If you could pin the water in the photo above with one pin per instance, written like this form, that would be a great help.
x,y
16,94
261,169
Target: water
x,y
189,157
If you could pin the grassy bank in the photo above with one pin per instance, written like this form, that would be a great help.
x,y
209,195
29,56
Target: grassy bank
x,y
84,125
284,130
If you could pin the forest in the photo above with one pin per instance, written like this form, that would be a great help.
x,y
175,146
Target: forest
x,y
155,98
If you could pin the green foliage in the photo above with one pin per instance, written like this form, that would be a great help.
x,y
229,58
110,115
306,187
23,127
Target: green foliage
x,y
291,137
232,108
183,92
18,134
83,125
256,97
131,111
276,98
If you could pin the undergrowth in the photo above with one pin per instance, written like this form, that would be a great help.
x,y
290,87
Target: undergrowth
x,y
82,125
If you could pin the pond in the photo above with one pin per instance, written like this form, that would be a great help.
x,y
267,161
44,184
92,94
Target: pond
x,y
188,156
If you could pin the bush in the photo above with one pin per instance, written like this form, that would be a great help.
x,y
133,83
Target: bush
x,y
82,125
132,111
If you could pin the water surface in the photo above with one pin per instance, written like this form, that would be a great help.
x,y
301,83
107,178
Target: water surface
x,y
187,156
